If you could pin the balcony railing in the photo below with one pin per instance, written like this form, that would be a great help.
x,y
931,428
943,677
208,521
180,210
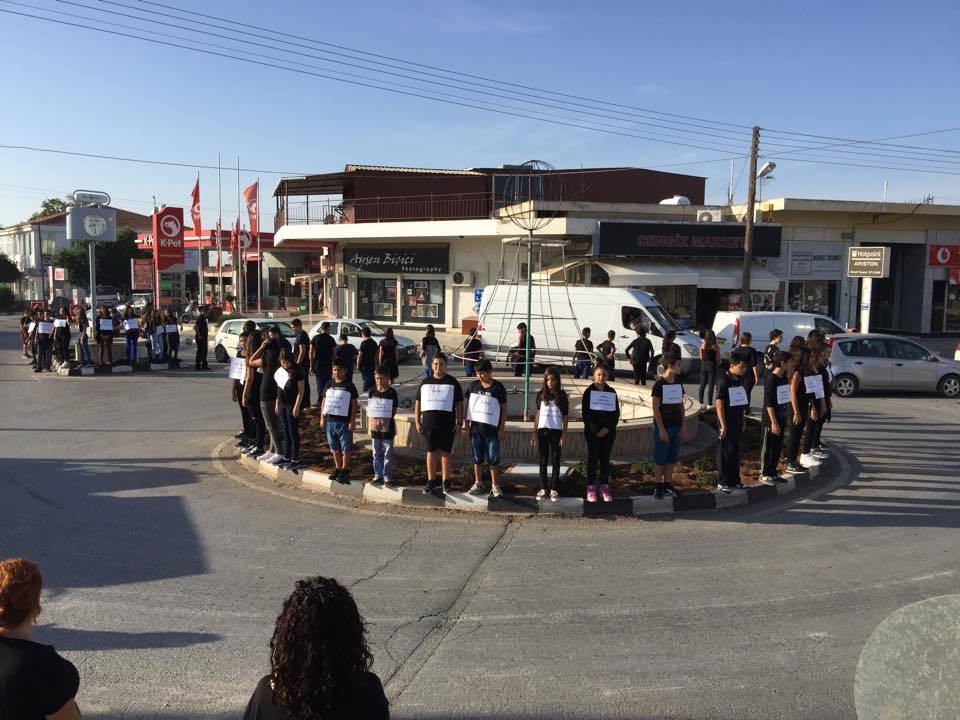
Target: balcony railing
x,y
408,208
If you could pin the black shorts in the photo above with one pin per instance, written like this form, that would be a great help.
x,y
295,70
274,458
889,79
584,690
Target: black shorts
x,y
438,437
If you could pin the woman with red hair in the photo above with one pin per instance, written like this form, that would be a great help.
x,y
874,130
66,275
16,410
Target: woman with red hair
x,y
35,682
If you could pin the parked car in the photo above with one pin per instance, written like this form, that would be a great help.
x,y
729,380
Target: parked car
x,y
885,362
729,325
227,340
956,353
352,327
107,295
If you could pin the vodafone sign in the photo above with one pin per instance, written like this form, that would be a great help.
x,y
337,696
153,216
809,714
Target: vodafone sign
x,y
945,256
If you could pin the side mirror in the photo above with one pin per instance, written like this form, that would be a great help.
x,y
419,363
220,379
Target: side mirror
x,y
933,358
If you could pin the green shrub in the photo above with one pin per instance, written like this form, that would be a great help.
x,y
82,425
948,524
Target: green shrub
x,y
643,467
7,298
704,465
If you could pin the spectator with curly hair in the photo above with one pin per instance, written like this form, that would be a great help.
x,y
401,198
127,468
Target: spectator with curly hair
x,y
35,682
319,660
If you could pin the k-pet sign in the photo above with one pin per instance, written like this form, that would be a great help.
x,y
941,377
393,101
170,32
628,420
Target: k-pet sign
x,y
168,255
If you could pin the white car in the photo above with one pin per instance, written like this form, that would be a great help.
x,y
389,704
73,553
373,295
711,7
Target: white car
x,y
729,325
227,340
351,327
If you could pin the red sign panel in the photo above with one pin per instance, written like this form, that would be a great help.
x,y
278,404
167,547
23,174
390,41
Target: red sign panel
x,y
168,239
141,271
945,256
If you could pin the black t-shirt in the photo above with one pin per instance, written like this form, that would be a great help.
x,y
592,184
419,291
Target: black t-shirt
x,y
389,346
345,385
371,702
770,385
200,328
383,428
288,393
769,353
271,361
347,354
672,413
745,353
439,417
34,680
640,350
429,346
496,390
733,414
368,354
582,350
323,348
301,339
473,349
608,352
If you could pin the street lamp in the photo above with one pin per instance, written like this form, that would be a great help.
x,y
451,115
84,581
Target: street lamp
x,y
768,167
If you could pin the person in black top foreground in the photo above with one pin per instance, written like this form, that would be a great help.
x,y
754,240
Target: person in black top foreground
x,y
486,401
772,348
289,403
346,354
709,366
776,404
338,416
668,419
367,358
600,409
267,359
553,410
319,660
382,428
438,414
301,356
35,682
388,354
749,355
201,332
250,392
731,406
322,349
638,353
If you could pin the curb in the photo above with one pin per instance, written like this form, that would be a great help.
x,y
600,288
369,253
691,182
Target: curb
x,y
635,506
139,369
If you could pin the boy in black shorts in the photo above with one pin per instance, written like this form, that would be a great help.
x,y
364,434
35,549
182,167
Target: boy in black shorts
x,y
438,414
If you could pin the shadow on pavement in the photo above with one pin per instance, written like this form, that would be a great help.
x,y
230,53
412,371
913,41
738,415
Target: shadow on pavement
x,y
72,639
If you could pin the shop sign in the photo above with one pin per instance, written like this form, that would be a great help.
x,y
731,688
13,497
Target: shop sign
x,y
141,273
58,274
398,261
945,256
168,255
632,239
868,262
816,260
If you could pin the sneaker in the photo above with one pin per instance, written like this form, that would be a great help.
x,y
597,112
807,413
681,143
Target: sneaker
x,y
554,495
668,491
279,460
476,489
591,493
809,460
335,474
266,457
658,492
767,480
495,491
445,486
541,494
252,451
780,479
725,489
605,493
344,477
389,483
819,453
239,436
377,482
428,488
793,467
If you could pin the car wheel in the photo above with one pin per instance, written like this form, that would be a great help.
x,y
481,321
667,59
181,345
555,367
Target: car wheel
x,y
220,353
846,385
949,386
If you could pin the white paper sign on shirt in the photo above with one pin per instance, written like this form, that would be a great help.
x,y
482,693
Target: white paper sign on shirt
x,y
59,322
436,397
783,394
45,328
672,394
238,369
171,329
30,327
336,401
550,416
814,384
381,408
738,396
603,401
281,376
106,324
484,409
131,324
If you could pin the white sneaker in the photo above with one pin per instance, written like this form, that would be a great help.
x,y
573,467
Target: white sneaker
x,y
495,491
809,460
820,453
278,460
541,494
266,457
554,495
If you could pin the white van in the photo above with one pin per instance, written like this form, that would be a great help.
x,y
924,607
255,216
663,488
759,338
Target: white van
x,y
729,325
558,313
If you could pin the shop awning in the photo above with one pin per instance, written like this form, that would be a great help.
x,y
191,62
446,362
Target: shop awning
x,y
649,274
729,276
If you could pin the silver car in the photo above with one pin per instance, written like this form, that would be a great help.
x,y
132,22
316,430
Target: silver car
x,y
886,362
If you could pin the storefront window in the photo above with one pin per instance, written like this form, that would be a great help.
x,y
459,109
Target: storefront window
x,y
377,299
423,301
813,296
953,307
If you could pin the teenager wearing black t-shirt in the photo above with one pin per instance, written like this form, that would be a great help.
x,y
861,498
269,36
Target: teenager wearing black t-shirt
x,y
438,413
201,331
668,418
608,354
749,356
25,335
367,358
429,348
731,409
519,351
301,356
639,352
472,354
247,434
346,355
267,360
810,370
582,355
776,403
773,347
802,407
709,366
44,343
383,429
485,437
288,405
388,354
322,350
817,448
338,413
35,682
553,412
131,334
251,388
600,408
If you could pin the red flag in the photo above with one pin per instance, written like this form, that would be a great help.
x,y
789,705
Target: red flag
x,y
250,198
235,236
195,209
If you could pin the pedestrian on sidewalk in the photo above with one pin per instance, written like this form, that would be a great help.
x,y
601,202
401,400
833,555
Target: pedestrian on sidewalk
x,y
367,358
486,401
429,349
301,356
381,411
319,660
731,407
600,408
472,353
709,367
553,410
774,422
131,331
817,447
438,414
35,681
201,332
582,355
32,327
638,353
338,413
668,419
388,354
290,394
322,350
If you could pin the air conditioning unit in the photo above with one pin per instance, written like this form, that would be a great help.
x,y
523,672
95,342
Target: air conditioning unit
x,y
710,214
463,278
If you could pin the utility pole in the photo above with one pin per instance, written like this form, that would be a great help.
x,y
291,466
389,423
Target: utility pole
x,y
745,303
730,183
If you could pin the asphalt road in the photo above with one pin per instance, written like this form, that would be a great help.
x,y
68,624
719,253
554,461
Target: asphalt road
x,y
164,575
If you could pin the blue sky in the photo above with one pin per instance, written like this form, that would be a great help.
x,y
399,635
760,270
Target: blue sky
x,y
858,70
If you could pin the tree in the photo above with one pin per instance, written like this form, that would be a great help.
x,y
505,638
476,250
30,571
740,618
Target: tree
x,y
113,261
53,206
9,272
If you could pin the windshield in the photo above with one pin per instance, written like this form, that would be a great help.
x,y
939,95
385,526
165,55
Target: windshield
x,y
662,318
374,328
285,328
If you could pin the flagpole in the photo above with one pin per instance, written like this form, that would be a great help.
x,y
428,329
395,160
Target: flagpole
x,y
219,242
196,231
236,271
259,256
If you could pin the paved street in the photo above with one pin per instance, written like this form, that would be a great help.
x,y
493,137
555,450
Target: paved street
x,y
164,575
